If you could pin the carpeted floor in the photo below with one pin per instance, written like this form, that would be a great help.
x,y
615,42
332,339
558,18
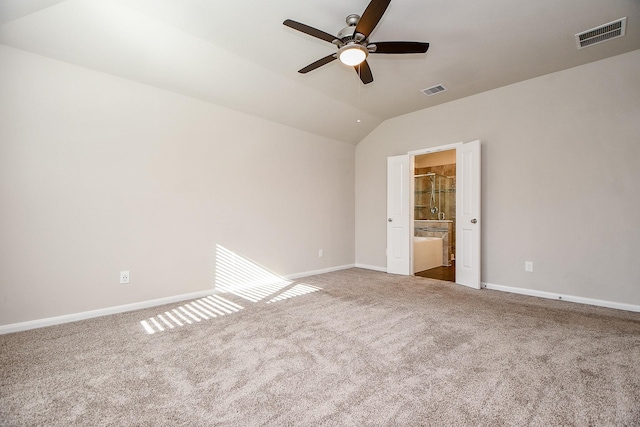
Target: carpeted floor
x,y
354,347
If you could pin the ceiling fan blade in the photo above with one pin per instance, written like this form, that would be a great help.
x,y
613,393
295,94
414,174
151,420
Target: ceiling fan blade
x,y
310,30
371,16
398,47
364,72
319,63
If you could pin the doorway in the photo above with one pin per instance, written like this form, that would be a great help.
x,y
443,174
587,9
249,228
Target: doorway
x,y
400,215
434,214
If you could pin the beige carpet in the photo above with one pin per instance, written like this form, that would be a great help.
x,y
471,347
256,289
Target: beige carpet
x,y
353,347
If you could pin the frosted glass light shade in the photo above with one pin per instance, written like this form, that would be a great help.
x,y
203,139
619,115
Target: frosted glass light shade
x,y
352,54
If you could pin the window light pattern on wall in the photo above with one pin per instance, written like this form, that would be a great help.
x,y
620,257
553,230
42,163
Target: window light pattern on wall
x,y
242,277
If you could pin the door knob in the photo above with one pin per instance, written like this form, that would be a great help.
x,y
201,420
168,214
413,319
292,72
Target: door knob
x,y
390,220
474,221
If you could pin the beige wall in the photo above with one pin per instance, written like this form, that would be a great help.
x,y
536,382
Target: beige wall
x,y
561,178
100,174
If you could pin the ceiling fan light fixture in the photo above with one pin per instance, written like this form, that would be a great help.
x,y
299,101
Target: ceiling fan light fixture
x,y
352,54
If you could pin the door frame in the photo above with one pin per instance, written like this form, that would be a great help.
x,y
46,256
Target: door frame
x,y
412,162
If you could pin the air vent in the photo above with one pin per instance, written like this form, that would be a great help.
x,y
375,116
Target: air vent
x,y
433,90
605,32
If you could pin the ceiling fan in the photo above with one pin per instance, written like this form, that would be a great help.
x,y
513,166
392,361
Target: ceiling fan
x,y
353,41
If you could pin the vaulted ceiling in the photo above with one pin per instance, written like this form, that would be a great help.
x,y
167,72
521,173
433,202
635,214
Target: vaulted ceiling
x,y
238,54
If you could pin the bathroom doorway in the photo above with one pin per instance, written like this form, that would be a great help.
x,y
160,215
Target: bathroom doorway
x,y
434,214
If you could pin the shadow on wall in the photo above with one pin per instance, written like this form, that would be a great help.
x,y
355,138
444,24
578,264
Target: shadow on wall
x,y
235,276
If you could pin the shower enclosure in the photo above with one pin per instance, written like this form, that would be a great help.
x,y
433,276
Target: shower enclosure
x,y
435,197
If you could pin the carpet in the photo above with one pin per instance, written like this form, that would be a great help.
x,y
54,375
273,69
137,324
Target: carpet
x,y
348,348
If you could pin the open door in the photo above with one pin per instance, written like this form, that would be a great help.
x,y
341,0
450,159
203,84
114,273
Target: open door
x,y
399,229
468,214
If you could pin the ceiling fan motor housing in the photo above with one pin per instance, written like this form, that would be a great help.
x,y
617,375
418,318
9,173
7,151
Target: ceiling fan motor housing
x,y
348,34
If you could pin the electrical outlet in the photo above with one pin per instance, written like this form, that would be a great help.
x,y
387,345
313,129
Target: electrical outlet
x,y
124,277
320,253
528,266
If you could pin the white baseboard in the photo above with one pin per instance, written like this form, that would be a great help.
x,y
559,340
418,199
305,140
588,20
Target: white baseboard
x,y
371,267
562,297
41,323
50,321
314,272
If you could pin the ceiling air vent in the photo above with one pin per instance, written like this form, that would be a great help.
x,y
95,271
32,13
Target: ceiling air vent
x,y
433,90
602,33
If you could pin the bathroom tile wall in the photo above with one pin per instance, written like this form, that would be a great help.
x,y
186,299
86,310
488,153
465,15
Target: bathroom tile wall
x,y
449,194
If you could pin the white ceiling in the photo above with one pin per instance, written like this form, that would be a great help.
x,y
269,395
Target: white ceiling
x,y
238,54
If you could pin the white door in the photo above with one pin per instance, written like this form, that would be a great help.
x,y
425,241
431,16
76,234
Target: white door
x,y
468,214
399,232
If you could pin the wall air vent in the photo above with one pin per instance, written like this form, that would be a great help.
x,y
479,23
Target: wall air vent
x,y
602,33
433,90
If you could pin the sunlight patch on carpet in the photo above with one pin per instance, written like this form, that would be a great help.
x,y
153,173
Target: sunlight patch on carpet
x,y
297,290
193,312
234,275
